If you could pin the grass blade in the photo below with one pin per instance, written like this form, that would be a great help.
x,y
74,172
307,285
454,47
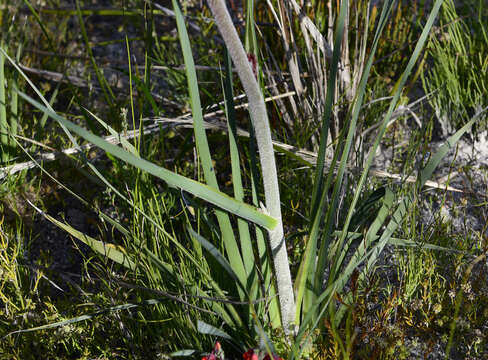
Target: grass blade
x,y
231,247
208,329
125,143
244,234
324,252
200,190
4,140
182,353
418,48
114,252
402,209
88,316
217,256
330,95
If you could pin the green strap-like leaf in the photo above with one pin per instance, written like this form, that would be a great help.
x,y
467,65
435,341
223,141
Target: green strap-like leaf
x,y
4,141
243,226
87,316
208,329
217,256
231,246
114,252
402,209
182,353
193,187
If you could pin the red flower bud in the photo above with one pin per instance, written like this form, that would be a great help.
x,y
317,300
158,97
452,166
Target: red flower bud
x,y
250,355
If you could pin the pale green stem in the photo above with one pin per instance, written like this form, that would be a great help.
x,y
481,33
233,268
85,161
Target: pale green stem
x,y
260,122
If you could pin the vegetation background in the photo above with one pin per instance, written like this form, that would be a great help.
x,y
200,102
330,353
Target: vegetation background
x,y
105,256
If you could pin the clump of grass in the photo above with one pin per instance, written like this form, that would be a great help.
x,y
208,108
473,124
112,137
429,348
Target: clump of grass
x,y
458,77
9,111
194,263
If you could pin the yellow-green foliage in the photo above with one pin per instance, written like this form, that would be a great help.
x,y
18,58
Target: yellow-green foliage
x,y
459,74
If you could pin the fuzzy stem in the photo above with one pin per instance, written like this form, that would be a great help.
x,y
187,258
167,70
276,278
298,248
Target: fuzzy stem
x,y
260,122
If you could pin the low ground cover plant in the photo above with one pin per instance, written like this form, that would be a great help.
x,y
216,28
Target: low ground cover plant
x,y
209,246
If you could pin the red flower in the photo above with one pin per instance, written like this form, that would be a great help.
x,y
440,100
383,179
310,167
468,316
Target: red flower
x,y
250,355
216,354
